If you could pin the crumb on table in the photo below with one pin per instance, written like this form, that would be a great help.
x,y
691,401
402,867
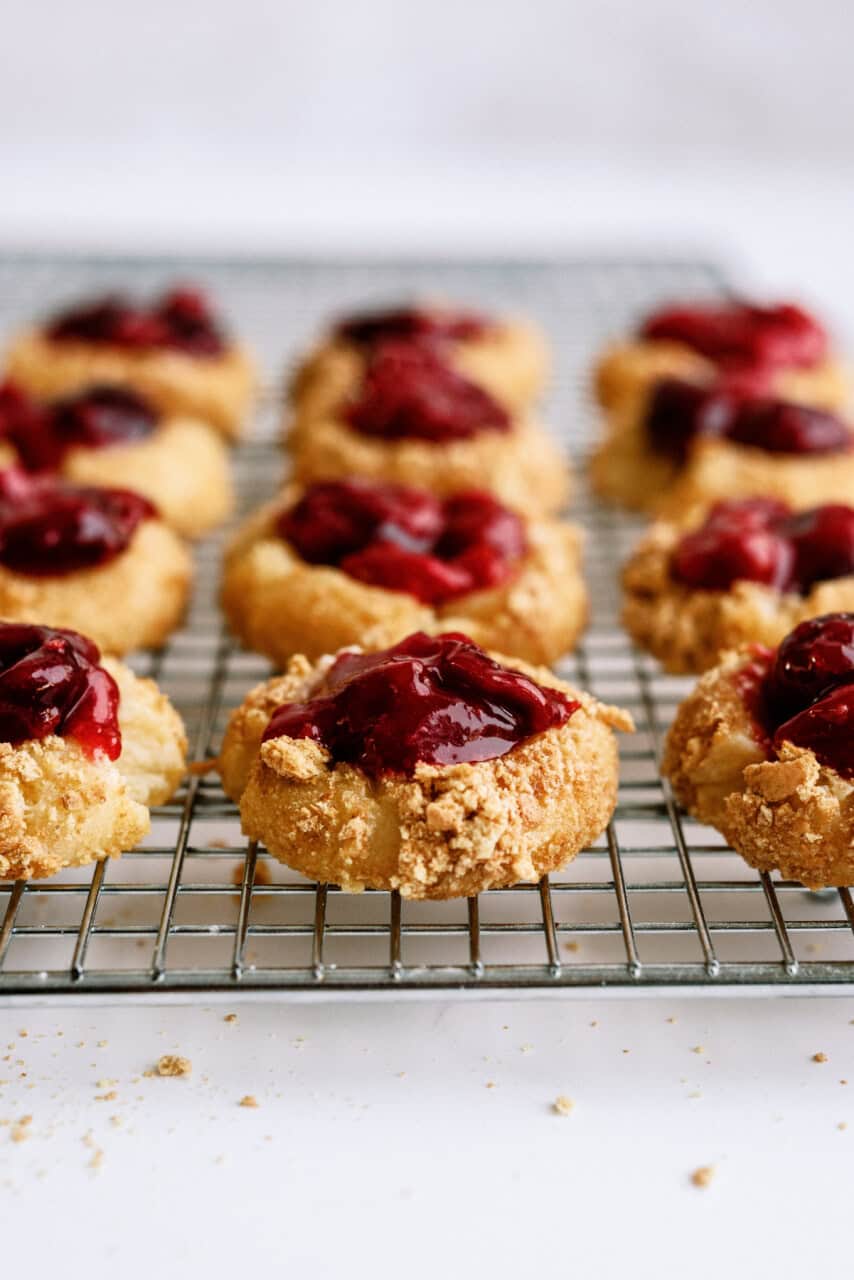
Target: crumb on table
x,y
562,1106
702,1177
249,1100
172,1064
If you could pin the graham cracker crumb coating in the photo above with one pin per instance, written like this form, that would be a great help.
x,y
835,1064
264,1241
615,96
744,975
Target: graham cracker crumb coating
x,y
784,811
688,629
279,605
60,807
445,832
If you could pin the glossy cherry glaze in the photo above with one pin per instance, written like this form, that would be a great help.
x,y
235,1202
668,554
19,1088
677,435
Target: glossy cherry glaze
x,y
410,392
740,334
96,418
51,683
181,320
680,412
804,693
368,327
760,540
406,539
49,528
430,699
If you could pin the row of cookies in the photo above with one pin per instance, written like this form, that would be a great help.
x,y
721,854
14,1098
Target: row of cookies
x,y
113,417
418,525
727,421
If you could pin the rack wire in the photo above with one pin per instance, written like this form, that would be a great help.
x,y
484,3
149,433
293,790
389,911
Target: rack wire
x,y
658,902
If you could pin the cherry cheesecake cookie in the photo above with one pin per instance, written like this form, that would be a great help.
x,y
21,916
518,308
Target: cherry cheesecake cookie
x,y
506,357
763,750
683,444
748,571
85,748
113,436
413,419
779,349
174,351
430,767
363,562
77,556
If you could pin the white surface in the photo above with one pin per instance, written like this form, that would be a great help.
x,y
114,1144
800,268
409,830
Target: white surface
x,y
490,127
378,1149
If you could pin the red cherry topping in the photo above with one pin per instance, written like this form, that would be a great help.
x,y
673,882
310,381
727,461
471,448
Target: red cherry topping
x,y
432,699
741,333
411,392
49,528
93,419
759,540
368,327
181,319
51,683
678,412
405,539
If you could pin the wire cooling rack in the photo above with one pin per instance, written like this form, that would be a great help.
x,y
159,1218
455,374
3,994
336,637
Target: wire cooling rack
x,y
658,902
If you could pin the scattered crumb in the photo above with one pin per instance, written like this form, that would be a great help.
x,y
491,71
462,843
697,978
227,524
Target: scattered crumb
x,y
572,946
23,1033
262,874
702,1177
21,1129
110,1096
490,1084
401,1074
627,1051
594,1023
106,1083
116,1121
171,1064
843,1081
97,1159
526,1048
843,1124
562,1106
230,1017
249,1100
819,1057
698,1048
671,1020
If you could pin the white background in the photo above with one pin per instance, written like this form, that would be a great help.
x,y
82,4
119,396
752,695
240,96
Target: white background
x,y
535,127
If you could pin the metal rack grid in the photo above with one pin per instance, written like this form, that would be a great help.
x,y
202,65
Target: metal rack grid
x,y
658,902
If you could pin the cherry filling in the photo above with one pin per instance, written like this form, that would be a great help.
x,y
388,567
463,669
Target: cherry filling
x,y
679,412
49,528
742,334
760,540
366,328
51,683
181,319
92,419
410,392
431,699
405,539
804,693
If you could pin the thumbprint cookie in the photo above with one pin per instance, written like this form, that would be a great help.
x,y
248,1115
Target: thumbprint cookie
x,y
85,748
174,351
748,573
75,556
682,445
429,767
113,436
763,750
413,419
778,350
508,358
362,562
